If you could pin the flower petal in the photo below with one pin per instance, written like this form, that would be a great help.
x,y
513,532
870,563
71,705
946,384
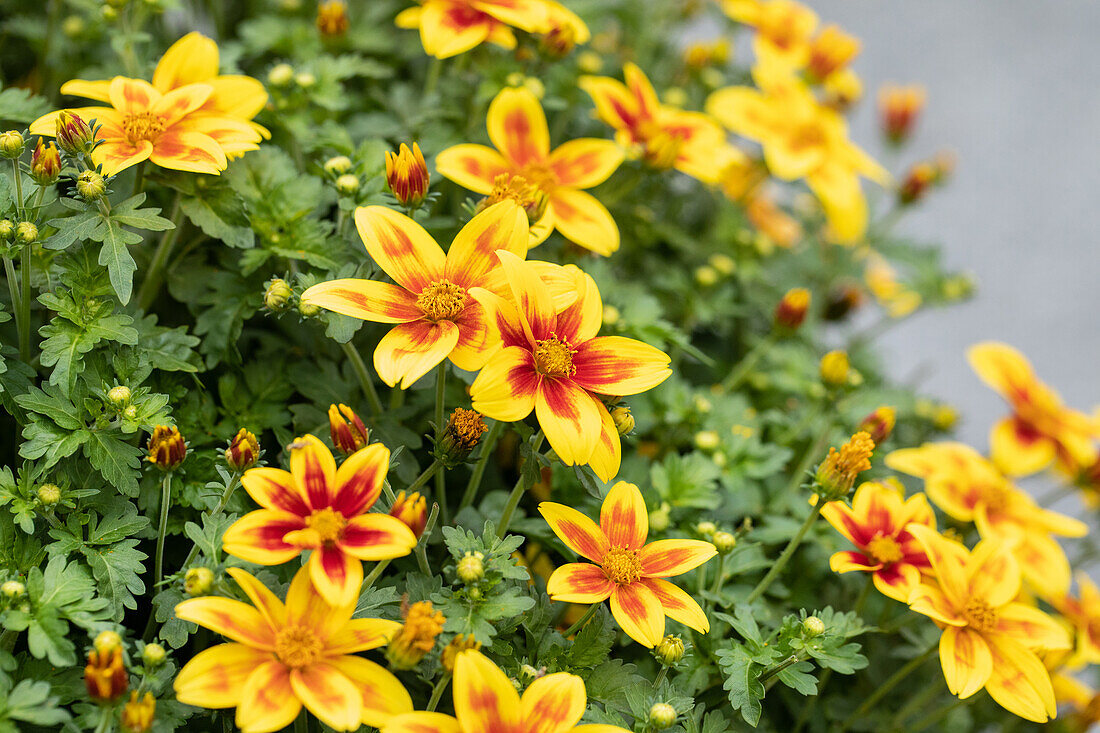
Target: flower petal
x,y
336,575
377,537
475,167
846,562
624,517
359,479
607,457
554,703
532,297
266,602
615,365
173,106
237,96
305,606
185,150
268,702
411,350
582,219
478,339
274,488
448,29
502,317
215,677
314,470
329,695
132,96
383,695
257,537
502,226
361,634
505,388
400,246
965,659
1019,682
993,573
232,619
1018,450
639,613
931,601
484,698
190,60
115,156
585,162
581,320
579,533
97,90
678,605
947,563
422,722
517,126
666,558
579,582
1031,627
897,581
368,300
615,105
570,418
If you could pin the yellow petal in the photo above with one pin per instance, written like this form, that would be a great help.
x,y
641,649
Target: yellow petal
x,y
965,659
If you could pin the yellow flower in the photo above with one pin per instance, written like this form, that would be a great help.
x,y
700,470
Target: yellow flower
x,y
1083,613
989,640
896,297
831,52
837,474
450,27
416,637
783,29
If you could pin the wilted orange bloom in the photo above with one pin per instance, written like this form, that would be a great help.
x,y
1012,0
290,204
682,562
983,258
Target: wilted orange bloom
x,y
1083,614
138,714
628,570
283,656
486,700
517,127
876,524
1041,428
450,27
665,136
836,475
555,364
899,107
316,506
423,625
989,640
783,29
882,280
430,304
970,489
190,118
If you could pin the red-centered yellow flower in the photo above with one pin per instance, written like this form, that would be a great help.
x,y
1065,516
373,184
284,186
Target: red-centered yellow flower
x,y
190,118
518,129
988,640
554,363
1041,427
876,524
1083,613
628,570
283,656
783,29
450,27
485,701
970,489
803,139
316,506
665,136
430,301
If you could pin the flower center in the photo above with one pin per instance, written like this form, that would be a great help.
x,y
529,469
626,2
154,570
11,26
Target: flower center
x,y
327,523
526,193
807,136
540,176
554,357
297,646
980,615
142,126
885,549
442,300
622,566
661,147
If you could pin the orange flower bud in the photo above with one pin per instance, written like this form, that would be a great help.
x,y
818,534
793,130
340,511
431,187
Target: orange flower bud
x,y
243,450
137,715
838,472
105,676
880,423
412,510
559,41
916,183
45,163
407,175
791,311
461,435
899,108
348,432
73,134
332,18
831,51
167,448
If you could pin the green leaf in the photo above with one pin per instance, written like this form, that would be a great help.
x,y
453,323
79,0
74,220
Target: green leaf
x,y
221,214
116,257
19,105
117,569
116,460
742,682
168,349
31,702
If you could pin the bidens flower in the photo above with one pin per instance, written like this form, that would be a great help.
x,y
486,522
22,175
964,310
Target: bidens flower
x,y
628,570
450,27
282,657
783,29
518,129
485,700
430,303
553,363
316,506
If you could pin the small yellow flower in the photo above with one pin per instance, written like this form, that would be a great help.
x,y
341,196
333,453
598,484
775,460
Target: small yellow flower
x,y
416,637
837,474
835,368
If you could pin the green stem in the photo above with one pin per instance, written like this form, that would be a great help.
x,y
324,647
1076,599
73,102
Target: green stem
x,y
226,496
720,576
139,178
154,278
487,446
19,210
364,377
162,528
660,677
579,624
16,298
424,477
25,303
891,682
437,692
772,671
788,551
106,719
440,409
432,80
373,576
421,545
745,366
517,494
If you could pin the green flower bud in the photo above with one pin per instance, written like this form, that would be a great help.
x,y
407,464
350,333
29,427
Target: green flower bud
x,y
338,166
7,230
106,642
278,294
198,581
471,568
662,715
49,494
813,626
724,542
119,396
670,650
26,232
153,655
90,185
11,144
13,589
347,184
280,75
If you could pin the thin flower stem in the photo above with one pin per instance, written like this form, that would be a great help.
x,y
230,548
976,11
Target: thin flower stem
x,y
424,477
106,719
421,551
25,303
660,677
154,278
579,624
364,377
517,493
437,692
775,669
804,463
891,682
943,712
375,572
440,409
487,446
16,298
745,366
19,210
139,178
226,496
162,528
432,80
788,551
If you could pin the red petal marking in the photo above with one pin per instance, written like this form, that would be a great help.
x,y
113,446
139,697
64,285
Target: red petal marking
x,y
665,558
639,613
623,516
377,537
359,480
274,488
314,469
677,604
848,558
336,575
329,695
579,582
263,531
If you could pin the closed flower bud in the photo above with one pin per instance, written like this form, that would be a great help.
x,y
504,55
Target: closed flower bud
x,y
7,230
662,715
879,424
412,510
308,310
590,62
843,89
916,183
347,184
119,396
670,650
660,518
471,568
278,294
611,315
137,715
45,163
835,368
706,275
105,675
944,417
198,581
416,637
49,494
624,421
243,451
13,589
153,655
280,75
167,448
707,440
559,41
724,264
407,175
457,645
305,79
332,18
130,413
72,26
837,474
73,134
11,144
791,311
348,432
813,626
90,185
460,436
724,542
843,299
899,108
338,165
706,529
106,641
26,232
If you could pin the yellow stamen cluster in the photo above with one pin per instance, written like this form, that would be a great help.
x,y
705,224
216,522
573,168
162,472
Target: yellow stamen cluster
x,y
417,637
980,615
527,195
622,566
327,523
554,357
885,549
140,126
297,646
442,300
